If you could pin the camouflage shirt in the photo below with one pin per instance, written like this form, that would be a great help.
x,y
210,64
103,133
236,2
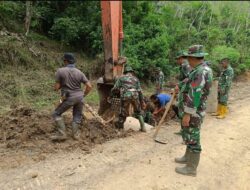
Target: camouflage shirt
x,y
194,93
184,72
159,79
225,80
129,87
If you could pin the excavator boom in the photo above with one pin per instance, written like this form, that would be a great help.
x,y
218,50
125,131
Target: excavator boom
x,y
112,39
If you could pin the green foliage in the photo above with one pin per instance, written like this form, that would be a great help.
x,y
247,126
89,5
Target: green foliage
x,y
154,31
92,97
12,9
66,29
220,52
146,41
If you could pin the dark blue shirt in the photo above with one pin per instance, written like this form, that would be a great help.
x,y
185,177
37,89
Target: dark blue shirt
x,y
163,99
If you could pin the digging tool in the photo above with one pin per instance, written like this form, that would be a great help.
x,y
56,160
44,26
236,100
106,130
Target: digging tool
x,y
90,109
167,108
96,115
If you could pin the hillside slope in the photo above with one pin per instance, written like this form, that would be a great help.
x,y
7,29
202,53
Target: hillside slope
x,y
27,67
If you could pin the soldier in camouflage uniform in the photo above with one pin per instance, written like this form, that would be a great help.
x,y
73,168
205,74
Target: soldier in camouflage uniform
x,y
159,80
225,81
184,70
192,105
129,88
184,67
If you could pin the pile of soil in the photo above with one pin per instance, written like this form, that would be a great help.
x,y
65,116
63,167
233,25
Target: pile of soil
x,y
25,128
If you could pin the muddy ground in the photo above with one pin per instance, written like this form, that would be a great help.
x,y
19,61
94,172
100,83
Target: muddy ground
x,y
27,133
32,161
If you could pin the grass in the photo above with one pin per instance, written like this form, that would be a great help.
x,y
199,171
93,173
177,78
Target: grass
x,y
92,98
28,80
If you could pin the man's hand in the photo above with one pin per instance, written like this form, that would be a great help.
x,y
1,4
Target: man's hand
x,y
176,89
143,105
87,89
186,120
157,111
185,80
57,86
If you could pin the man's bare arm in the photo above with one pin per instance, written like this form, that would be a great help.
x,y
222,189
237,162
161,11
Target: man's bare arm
x,y
57,86
88,88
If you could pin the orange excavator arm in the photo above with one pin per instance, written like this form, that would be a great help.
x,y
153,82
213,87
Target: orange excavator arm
x,y
112,28
112,38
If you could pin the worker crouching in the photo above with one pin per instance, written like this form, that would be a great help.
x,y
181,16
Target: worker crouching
x,y
129,88
160,101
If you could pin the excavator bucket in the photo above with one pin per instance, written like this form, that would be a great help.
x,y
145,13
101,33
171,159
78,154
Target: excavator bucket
x,y
112,39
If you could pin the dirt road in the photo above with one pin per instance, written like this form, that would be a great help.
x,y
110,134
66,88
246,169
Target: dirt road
x,y
138,163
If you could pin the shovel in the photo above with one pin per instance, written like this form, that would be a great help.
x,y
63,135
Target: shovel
x,y
167,108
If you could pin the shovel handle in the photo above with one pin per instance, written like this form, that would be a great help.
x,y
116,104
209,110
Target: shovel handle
x,y
168,106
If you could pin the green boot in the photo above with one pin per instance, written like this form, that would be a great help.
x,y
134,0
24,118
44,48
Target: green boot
x,y
192,164
75,131
61,134
183,159
178,133
142,124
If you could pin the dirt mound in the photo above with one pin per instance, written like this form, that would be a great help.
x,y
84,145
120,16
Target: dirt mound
x,y
245,77
25,128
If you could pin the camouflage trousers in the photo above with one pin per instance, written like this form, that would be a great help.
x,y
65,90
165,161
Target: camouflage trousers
x,y
191,134
148,118
223,98
126,104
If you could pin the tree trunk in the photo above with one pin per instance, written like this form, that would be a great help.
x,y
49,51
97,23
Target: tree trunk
x,y
28,17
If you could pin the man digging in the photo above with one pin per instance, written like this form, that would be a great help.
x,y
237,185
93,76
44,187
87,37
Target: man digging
x,y
69,80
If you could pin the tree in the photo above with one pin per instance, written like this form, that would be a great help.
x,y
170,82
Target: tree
x,y
28,17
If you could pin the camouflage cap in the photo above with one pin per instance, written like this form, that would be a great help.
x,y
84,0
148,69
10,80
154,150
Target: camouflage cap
x,y
158,69
179,54
226,59
128,69
195,51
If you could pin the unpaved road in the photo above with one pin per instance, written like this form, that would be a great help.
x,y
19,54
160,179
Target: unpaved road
x,y
138,163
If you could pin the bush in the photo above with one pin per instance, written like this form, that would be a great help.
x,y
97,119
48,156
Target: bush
x,y
66,29
220,52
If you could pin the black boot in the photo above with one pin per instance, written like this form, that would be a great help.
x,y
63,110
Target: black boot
x,y
183,159
119,125
61,134
76,131
192,164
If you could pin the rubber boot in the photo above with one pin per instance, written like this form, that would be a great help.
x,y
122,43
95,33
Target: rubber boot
x,y
61,134
142,124
226,111
191,167
75,131
118,124
223,112
218,112
183,159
